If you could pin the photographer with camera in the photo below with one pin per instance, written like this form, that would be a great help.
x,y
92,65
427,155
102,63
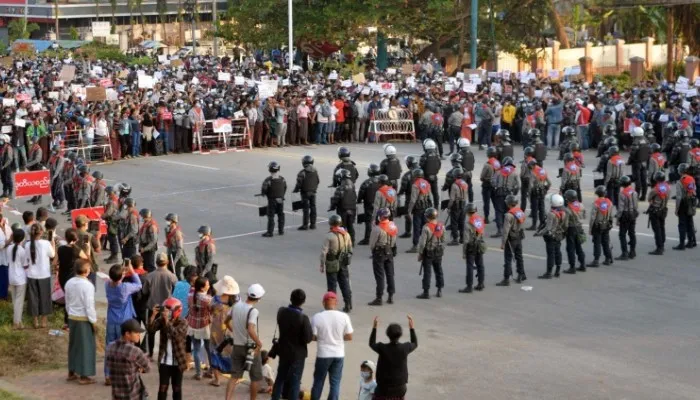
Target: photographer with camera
x,y
243,322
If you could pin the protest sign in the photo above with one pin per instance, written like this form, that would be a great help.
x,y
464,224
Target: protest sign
x,y
67,73
96,94
359,78
32,183
176,63
238,80
180,87
267,88
346,83
92,214
8,102
19,122
469,87
224,76
106,83
222,125
53,95
147,82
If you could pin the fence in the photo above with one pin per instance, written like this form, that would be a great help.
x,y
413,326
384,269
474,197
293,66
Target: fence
x,y
95,149
397,123
222,135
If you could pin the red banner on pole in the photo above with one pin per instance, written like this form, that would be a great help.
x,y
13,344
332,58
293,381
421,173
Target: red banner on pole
x,y
32,183
93,214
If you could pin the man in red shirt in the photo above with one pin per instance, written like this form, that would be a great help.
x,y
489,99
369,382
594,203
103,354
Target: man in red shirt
x,y
583,118
339,103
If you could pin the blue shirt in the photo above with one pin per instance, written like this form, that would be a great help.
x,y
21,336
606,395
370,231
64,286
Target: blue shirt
x,y
119,305
181,292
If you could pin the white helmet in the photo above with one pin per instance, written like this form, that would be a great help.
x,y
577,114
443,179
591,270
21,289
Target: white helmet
x,y
429,144
557,200
638,132
389,150
463,143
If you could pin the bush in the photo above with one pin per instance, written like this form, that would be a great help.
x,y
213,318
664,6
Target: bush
x,y
620,82
141,61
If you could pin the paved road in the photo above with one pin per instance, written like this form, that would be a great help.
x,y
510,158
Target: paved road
x,y
627,331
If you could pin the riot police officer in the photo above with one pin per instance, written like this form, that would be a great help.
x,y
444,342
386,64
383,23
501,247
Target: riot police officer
x,y
606,141
336,255
383,246
638,159
680,154
613,174
307,185
600,224
657,161
504,148
385,197
605,156
430,164
686,203
649,133
129,229
571,175
175,244
657,211
569,134
575,236
474,248
347,164
274,188
34,164
82,187
366,195
670,138
467,164
406,184
204,254
539,186
420,201
627,218
456,161
553,234
505,182
111,217
512,241
539,146
525,176
344,201
490,168
455,206
148,240
391,166
431,247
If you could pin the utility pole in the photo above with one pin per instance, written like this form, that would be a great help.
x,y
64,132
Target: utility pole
x,y
474,32
669,44
290,21
214,18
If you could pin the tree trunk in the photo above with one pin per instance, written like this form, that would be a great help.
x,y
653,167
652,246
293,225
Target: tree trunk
x,y
462,31
562,37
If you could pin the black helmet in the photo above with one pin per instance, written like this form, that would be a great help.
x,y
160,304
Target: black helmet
x,y
695,143
568,157
344,174
273,166
383,213
503,133
335,220
417,173
384,180
56,148
508,161
574,146
672,126
430,213
373,170
611,141
145,213
529,151
683,168
171,217
570,195
83,169
457,173
609,129
491,152
109,190
613,150
531,163
343,152
659,176
97,175
470,208
307,160
534,132
625,180
129,202
204,230
124,189
411,162
647,126
682,133
71,156
456,158
511,200
655,147
568,131
600,191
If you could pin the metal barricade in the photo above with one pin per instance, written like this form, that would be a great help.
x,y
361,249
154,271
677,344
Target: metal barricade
x,y
98,149
393,123
239,138
235,139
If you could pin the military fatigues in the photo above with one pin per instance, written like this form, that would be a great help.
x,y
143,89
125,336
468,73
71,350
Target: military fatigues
x,y
97,195
204,258
638,159
487,192
420,201
504,182
367,196
627,218
686,202
382,243
657,162
468,167
657,211
56,163
385,197
553,234
600,224
129,232
274,188
405,190
525,176
679,155
336,255
458,198
175,243
512,242
346,164
307,185
539,185
344,202
474,248
111,217
431,246
68,176
613,174
148,244
6,159
575,235
571,178
34,163
695,164
391,167
430,163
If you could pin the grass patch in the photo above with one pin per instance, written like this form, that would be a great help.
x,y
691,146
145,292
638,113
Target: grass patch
x,y
29,350
5,395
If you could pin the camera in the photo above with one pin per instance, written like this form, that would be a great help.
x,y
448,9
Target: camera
x,y
249,356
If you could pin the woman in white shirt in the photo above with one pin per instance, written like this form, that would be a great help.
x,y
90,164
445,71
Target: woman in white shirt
x,y
5,234
39,255
102,129
16,258
331,123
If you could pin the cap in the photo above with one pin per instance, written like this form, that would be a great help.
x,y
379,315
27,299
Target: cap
x,y
256,291
162,258
227,285
131,325
329,295
369,364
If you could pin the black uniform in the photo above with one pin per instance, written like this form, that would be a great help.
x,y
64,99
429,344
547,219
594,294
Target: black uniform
x,y
430,163
391,167
274,188
348,164
406,182
468,167
307,185
639,157
366,195
344,202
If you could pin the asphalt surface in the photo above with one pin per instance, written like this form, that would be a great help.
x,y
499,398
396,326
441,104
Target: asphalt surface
x,y
627,331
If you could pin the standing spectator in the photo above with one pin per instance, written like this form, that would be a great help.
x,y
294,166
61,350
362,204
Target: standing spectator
x,y
392,364
485,116
331,329
281,123
199,321
136,137
122,285
339,104
172,361
5,237
16,258
197,121
244,316
126,363
295,333
80,303
332,122
227,291
147,128
323,113
497,110
159,285
259,124
553,117
89,243
125,135
583,119
39,252
68,254
303,122
508,118
361,115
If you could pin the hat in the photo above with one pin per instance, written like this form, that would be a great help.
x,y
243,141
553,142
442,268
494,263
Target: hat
x,y
227,285
369,364
256,291
329,295
133,326
162,258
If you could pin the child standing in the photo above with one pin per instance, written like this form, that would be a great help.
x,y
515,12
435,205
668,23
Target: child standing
x,y
367,382
16,260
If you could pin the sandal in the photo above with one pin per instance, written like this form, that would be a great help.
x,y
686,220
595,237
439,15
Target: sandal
x,y
72,377
86,381
215,384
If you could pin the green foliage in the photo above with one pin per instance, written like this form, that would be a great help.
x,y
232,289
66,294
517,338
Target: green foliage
x,y
20,29
620,82
74,34
141,61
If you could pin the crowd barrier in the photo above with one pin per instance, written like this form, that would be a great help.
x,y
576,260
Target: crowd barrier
x,y
97,149
222,135
394,123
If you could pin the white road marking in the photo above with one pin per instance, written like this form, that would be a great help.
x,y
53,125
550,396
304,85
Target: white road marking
x,y
200,190
188,165
498,249
245,234
258,206
640,233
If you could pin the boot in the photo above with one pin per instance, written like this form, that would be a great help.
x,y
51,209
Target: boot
x,y
390,299
454,242
479,287
439,293
267,234
424,295
405,235
608,261
112,259
531,227
593,264
303,228
518,279
582,268
692,244
467,289
546,275
571,270
497,234
363,242
412,250
623,257
280,233
679,247
486,220
633,254
312,227
504,282
347,308
375,302
657,252
556,271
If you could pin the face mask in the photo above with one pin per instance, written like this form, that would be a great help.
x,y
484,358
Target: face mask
x,y
365,374
201,235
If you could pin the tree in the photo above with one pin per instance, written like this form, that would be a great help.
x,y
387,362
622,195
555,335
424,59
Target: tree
x,y
74,34
139,4
162,8
20,29
97,10
113,4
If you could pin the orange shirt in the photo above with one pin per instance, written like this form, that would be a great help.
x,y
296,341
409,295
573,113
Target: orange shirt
x,y
340,105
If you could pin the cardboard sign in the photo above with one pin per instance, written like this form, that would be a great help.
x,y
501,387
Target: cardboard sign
x,y
147,82
469,87
346,83
508,89
359,79
407,69
97,70
267,89
538,94
239,80
691,93
20,122
224,76
6,129
222,125
8,102
57,84
67,73
176,63
506,74
333,76
112,95
96,94
123,74
92,214
180,87
106,83
33,183
682,80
